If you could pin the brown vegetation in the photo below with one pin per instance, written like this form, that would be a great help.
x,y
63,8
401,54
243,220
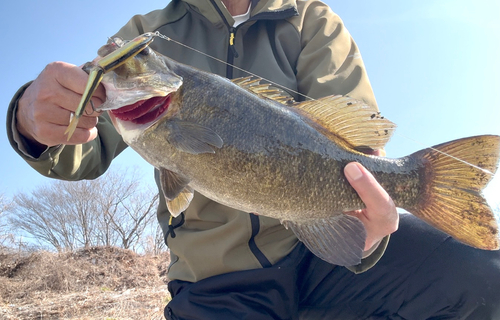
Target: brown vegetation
x,y
114,210
94,283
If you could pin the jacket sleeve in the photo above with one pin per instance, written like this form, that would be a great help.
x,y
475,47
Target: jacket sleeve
x,y
330,64
68,162
73,162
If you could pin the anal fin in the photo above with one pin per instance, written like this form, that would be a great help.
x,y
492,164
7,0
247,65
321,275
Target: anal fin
x,y
339,240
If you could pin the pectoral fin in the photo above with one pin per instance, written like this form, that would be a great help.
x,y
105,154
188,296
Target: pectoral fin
x,y
192,138
339,240
178,194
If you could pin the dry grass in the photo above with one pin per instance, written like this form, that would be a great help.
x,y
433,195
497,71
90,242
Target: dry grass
x,y
95,283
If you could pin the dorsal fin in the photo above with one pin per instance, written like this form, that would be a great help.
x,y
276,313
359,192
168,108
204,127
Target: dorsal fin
x,y
264,90
348,122
344,120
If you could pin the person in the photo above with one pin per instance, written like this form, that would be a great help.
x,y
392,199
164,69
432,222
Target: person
x,y
234,265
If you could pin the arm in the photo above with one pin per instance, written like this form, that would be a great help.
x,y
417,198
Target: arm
x,y
40,112
38,116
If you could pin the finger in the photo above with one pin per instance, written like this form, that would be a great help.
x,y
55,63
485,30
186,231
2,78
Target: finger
x,y
62,117
379,153
51,135
380,216
70,100
51,122
80,136
372,234
376,229
74,80
368,189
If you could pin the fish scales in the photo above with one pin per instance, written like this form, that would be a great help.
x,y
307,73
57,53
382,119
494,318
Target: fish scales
x,y
262,167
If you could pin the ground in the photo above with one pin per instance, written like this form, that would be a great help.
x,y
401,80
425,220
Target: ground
x,y
95,283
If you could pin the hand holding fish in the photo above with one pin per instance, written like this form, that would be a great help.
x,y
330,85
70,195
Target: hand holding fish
x,y
47,106
380,216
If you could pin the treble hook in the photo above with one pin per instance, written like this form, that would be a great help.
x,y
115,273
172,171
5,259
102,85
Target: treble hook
x,y
106,64
93,109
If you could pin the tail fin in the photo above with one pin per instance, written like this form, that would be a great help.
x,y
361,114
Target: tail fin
x,y
453,180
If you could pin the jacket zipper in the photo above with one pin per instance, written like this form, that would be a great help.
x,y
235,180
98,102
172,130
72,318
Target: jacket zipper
x,y
254,220
231,52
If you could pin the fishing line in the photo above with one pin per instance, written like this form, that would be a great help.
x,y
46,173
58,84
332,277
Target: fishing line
x,y
164,37
448,155
158,34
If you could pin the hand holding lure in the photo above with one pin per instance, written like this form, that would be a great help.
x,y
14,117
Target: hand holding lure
x,y
97,68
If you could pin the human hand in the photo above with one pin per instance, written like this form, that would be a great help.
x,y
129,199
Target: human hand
x,y
46,106
380,216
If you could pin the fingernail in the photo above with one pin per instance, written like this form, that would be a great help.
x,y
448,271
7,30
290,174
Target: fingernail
x,y
352,171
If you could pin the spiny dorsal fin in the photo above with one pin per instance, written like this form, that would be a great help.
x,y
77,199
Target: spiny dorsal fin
x,y
264,90
348,122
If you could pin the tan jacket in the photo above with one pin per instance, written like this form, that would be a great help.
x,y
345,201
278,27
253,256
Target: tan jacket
x,y
301,45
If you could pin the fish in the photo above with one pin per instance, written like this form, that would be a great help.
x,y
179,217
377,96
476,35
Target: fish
x,y
248,145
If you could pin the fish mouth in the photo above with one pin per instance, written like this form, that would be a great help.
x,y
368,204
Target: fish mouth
x,y
143,111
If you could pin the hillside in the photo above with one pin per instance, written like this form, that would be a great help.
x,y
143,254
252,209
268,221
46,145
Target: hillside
x,y
94,283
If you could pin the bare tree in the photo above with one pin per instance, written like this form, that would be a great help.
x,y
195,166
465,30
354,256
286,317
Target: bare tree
x,y
5,235
112,210
153,243
126,212
43,217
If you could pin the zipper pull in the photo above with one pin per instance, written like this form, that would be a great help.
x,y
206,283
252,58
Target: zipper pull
x,y
232,31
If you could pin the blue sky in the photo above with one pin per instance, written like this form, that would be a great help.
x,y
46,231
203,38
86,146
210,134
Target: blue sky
x,y
434,64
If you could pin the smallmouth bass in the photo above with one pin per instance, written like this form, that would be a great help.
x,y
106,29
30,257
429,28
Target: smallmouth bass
x,y
248,146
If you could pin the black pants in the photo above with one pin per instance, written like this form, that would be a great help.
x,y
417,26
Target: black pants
x,y
424,274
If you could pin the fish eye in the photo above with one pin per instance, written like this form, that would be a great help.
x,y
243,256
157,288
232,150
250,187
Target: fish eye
x,y
146,51
106,49
117,42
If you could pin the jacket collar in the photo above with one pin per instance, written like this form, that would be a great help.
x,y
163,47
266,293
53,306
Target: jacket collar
x,y
261,9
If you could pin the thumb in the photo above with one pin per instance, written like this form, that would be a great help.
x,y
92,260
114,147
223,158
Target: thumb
x,y
367,187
